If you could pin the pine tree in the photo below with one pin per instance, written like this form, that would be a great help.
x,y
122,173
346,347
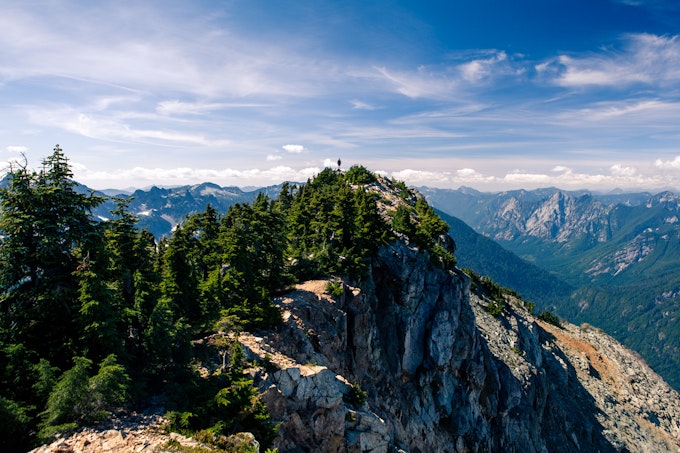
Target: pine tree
x,y
43,221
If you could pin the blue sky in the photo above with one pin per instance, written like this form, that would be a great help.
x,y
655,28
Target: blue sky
x,y
490,94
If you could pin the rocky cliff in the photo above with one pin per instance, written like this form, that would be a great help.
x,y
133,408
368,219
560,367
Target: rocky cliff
x,y
441,374
413,361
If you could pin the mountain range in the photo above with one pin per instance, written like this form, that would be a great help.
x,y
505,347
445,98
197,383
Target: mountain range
x,y
614,258
160,209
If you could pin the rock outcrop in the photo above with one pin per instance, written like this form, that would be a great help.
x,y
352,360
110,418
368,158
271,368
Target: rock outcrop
x,y
138,433
441,374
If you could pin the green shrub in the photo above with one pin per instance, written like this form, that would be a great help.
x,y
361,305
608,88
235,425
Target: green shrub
x,y
357,395
404,193
335,288
495,308
550,318
358,174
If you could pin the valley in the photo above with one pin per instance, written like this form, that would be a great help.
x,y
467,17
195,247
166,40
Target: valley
x,y
613,260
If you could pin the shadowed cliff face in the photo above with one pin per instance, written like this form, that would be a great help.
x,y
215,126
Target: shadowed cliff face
x,y
442,374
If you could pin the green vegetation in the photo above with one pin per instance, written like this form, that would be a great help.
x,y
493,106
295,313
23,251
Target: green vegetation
x,y
421,225
591,274
335,288
490,290
486,257
550,318
356,395
495,295
97,316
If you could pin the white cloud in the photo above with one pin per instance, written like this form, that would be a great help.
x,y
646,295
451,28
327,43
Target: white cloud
x,y
114,128
668,164
360,105
177,107
479,69
148,49
518,176
271,157
632,110
469,176
421,176
293,148
466,172
422,83
561,169
620,170
188,175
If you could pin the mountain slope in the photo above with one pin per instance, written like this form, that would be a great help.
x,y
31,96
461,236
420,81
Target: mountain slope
x,y
621,252
487,257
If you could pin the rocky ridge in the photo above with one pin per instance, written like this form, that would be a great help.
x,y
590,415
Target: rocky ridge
x,y
411,360
441,374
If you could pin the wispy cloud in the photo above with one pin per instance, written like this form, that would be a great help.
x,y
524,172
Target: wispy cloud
x,y
360,105
479,69
631,113
115,128
193,84
150,53
449,81
177,107
644,58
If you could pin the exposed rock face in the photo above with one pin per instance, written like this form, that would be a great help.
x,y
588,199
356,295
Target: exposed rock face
x,y
441,374
560,217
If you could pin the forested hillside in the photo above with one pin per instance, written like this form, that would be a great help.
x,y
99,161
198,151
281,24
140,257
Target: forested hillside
x,y
96,315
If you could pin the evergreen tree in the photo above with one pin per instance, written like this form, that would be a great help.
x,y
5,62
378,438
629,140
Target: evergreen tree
x,y
44,219
402,222
180,276
253,260
109,388
78,398
371,231
133,280
14,425
67,402
98,315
